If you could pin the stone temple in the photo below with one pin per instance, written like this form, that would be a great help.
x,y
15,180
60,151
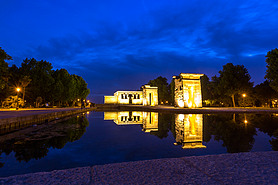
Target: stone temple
x,y
187,93
148,96
188,90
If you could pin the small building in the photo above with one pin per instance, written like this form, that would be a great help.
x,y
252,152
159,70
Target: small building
x,y
148,96
188,90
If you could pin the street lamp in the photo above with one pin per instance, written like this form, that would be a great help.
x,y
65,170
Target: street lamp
x,y
244,95
17,90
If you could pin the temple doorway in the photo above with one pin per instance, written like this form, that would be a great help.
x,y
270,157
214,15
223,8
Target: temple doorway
x,y
130,98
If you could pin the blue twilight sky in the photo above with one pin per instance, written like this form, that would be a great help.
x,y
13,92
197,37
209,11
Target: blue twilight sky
x,y
122,44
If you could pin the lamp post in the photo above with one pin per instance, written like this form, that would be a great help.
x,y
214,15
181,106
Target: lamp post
x,y
17,90
244,95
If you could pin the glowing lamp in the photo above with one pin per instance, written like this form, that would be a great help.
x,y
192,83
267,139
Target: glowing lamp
x,y
181,103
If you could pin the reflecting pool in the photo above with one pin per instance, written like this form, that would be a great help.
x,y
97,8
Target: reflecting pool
x,y
109,137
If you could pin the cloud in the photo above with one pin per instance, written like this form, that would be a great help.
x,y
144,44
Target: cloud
x,y
189,36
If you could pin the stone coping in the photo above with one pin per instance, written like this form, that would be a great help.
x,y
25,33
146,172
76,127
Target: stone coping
x,y
172,109
239,168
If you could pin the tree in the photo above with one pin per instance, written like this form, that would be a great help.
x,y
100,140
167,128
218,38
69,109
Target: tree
x,y
207,87
171,88
68,88
38,101
233,80
163,89
40,74
272,68
24,82
4,74
43,82
264,93
62,86
14,75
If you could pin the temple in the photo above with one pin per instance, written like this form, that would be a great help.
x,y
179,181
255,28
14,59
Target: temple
x,y
188,90
149,120
148,96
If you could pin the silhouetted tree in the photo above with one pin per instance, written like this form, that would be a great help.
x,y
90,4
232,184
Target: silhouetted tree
x,y
44,84
264,93
172,92
205,86
24,82
233,80
208,89
4,74
163,89
40,73
272,68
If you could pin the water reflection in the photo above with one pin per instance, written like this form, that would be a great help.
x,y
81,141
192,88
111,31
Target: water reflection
x,y
189,130
149,120
34,142
269,125
235,131
188,127
196,134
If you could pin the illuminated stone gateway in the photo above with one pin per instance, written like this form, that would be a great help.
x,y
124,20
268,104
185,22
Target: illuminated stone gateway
x,y
148,96
188,90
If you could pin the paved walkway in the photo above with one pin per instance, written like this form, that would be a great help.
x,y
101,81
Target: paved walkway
x,y
240,168
6,113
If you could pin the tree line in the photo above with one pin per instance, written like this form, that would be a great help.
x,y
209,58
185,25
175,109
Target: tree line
x,y
231,87
39,84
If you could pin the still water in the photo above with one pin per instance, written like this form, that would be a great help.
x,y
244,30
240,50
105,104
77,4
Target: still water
x,y
109,137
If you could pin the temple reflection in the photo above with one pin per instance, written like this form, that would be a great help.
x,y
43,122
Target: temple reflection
x,y
188,127
149,120
189,130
